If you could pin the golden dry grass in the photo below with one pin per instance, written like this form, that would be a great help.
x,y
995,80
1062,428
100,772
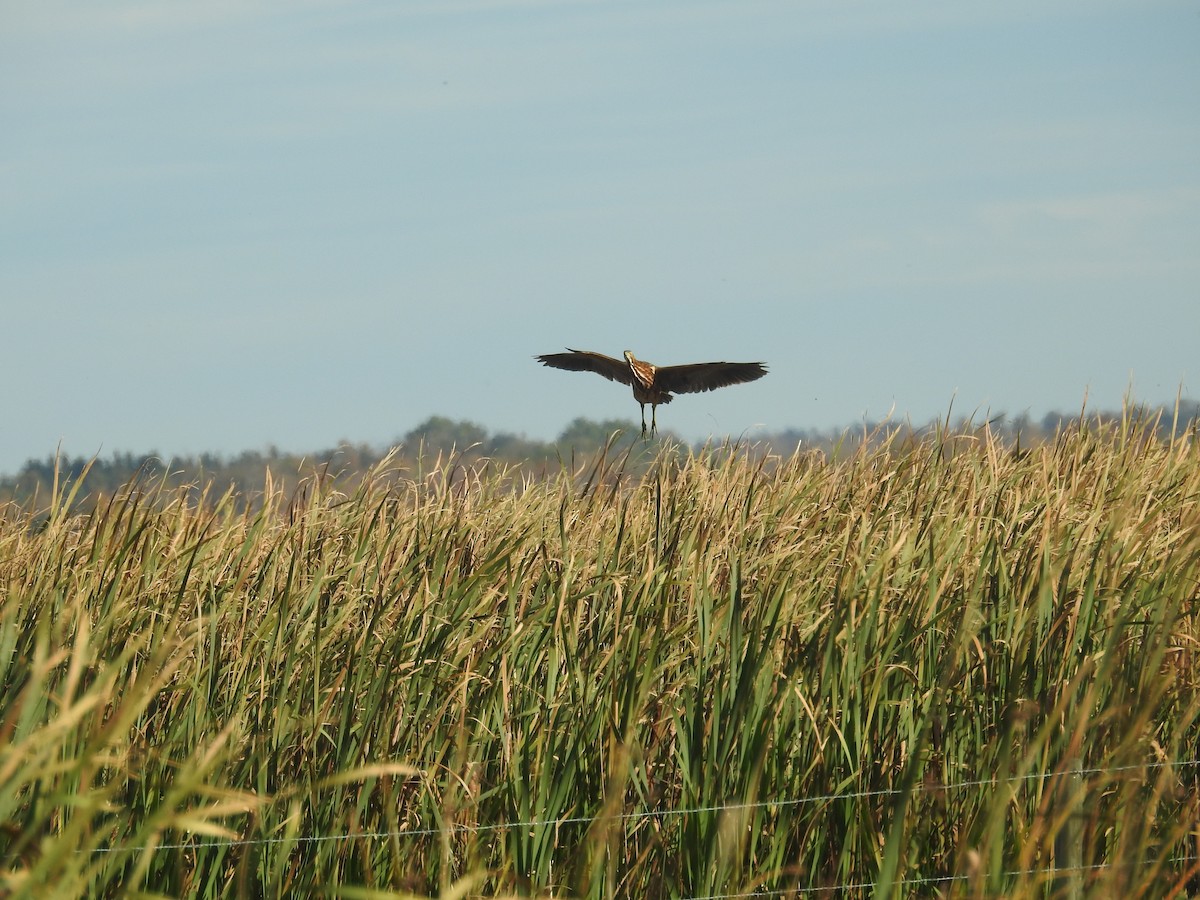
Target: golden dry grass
x,y
934,667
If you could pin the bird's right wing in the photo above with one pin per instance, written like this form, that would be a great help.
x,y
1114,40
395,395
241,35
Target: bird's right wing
x,y
587,361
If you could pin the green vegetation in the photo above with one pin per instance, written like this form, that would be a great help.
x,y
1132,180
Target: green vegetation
x,y
928,665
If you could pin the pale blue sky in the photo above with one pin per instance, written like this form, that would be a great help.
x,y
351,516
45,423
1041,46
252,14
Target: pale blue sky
x,y
228,224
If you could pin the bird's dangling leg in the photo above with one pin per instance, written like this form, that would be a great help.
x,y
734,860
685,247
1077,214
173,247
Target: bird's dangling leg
x,y
654,418
643,405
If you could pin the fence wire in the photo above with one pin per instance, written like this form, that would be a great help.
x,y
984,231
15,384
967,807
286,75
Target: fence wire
x,y
653,813
928,882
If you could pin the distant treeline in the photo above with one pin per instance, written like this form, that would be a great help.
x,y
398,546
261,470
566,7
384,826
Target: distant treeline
x,y
440,438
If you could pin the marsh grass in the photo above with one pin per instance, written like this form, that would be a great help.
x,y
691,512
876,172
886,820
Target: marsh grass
x,y
929,667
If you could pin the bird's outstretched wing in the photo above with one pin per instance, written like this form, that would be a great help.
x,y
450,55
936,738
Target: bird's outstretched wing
x,y
587,361
698,377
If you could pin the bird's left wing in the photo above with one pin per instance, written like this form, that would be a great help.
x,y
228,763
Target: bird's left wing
x,y
587,361
698,377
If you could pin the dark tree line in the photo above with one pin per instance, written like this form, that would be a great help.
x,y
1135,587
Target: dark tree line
x,y
469,442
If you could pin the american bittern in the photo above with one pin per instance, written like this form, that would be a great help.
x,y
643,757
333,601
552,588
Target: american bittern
x,y
655,384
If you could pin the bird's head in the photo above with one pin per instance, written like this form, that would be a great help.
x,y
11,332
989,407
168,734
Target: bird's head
x,y
629,356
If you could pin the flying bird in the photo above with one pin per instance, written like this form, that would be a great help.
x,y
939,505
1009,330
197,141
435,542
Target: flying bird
x,y
655,384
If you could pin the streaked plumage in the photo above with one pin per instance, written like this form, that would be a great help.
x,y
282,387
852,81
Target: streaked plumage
x,y
655,384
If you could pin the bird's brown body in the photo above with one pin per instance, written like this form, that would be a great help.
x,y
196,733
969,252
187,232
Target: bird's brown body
x,y
655,384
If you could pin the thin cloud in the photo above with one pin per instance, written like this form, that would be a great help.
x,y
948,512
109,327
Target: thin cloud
x,y
1111,211
57,17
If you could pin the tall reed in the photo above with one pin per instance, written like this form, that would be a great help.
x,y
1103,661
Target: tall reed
x,y
929,667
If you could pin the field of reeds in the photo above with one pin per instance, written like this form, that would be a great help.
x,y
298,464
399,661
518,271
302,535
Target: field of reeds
x,y
934,667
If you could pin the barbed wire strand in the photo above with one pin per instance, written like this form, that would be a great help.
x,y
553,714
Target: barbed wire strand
x,y
933,879
645,814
